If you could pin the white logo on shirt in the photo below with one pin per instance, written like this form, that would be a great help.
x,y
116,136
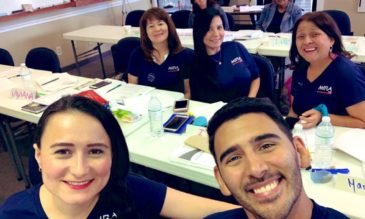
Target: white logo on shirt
x,y
151,77
236,60
107,216
324,89
173,69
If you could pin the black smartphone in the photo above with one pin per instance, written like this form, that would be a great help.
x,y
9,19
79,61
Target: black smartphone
x,y
100,84
175,123
181,106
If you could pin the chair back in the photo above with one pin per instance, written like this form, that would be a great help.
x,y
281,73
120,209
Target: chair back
x,y
43,58
231,23
263,2
121,53
342,20
133,18
5,57
181,18
267,74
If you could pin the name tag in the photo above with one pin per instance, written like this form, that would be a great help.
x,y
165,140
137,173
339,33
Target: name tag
x,y
350,184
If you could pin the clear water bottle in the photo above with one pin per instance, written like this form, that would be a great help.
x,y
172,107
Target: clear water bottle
x,y
27,82
298,131
155,116
324,143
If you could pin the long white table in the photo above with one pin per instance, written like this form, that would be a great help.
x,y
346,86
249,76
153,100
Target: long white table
x,y
157,153
279,45
100,34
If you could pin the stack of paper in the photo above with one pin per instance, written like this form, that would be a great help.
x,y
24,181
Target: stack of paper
x,y
56,82
54,96
192,156
184,32
207,110
10,73
248,34
352,142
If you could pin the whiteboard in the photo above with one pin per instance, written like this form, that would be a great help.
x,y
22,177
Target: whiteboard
x,y
7,6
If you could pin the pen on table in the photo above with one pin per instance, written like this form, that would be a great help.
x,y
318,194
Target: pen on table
x,y
333,170
14,76
114,88
50,81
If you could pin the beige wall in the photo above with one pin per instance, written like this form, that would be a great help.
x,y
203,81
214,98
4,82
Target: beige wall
x,y
350,7
19,42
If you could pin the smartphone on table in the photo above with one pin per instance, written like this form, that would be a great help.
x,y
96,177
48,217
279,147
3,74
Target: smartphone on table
x,y
181,106
100,84
175,123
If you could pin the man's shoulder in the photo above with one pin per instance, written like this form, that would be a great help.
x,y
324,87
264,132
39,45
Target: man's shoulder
x,y
321,212
237,213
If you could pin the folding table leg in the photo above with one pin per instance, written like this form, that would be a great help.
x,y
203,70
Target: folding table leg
x,y
7,145
76,57
15,154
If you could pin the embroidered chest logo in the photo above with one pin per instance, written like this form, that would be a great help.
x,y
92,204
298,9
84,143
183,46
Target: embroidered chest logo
x,y
173,69
236,60
107,216
151,77
324,89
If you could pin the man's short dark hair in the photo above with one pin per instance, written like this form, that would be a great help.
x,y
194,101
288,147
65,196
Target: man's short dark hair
x,y
241,106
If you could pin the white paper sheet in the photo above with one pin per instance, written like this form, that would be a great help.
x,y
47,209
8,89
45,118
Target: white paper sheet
x,y
352,142
194,157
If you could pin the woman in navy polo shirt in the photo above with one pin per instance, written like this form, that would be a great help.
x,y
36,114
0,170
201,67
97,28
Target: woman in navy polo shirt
x,y
161,61
83,158
324,74
222,71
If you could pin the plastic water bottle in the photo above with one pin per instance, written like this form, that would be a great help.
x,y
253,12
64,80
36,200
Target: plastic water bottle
x,y
155,116
324,142
29,90
298,131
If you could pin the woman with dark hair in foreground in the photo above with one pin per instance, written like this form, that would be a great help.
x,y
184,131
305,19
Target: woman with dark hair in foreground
x,y
83,158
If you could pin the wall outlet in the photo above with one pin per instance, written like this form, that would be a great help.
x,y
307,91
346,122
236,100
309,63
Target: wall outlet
x,y
59,50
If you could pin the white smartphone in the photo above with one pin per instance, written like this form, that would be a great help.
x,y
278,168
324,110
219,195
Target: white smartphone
x,y
175,123
181,105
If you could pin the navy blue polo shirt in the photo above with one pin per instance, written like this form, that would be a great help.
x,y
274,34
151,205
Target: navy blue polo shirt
x,y
169,75
342,84
318,212
226,75
148,197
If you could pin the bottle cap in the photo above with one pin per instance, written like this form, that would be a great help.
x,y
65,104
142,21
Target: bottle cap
x,y
326,119
321,176
298,126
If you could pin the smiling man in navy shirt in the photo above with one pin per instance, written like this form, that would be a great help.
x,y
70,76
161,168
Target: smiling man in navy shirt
x,y
258,162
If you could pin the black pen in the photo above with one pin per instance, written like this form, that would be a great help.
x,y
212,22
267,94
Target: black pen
x,y
14,76
114,88
50,81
